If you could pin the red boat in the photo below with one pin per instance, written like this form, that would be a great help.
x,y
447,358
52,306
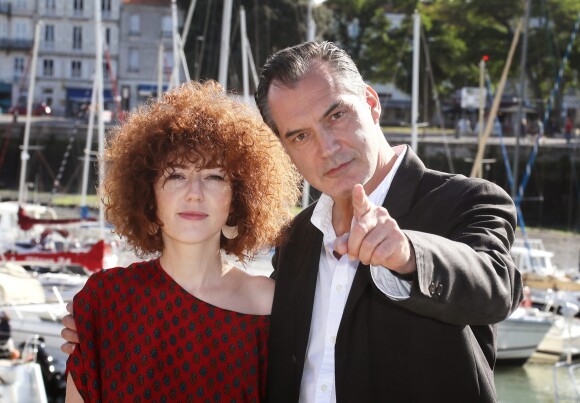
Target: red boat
x,y
26,222
91,259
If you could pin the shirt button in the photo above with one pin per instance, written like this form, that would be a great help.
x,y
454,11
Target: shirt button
x,y
323,388
333,339
339,288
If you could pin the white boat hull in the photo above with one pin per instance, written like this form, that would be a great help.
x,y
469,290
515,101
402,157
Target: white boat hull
x,y
43,320
519,335
21,382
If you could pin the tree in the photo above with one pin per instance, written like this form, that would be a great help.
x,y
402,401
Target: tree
x,y
458,34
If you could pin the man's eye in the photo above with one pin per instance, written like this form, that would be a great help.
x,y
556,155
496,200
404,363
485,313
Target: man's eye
x,y
300,137
337,115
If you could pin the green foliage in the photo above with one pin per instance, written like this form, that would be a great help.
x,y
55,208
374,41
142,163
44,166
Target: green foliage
x,y
458,33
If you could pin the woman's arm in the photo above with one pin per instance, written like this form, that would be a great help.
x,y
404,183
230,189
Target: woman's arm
x,y
72,394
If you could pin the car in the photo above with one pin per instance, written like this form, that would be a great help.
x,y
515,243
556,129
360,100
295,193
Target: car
x,y
38,109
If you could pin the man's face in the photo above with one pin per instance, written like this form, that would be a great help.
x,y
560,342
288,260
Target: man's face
x,y
329,133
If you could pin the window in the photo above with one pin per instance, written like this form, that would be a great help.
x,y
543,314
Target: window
x,y
133,60
18,66
77,38
20,5
108,36
166,26
76,69
50,7
134,24
48,68
78,7
47,95
49,36
20,30
106,8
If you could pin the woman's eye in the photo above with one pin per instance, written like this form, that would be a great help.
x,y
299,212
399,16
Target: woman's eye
x,y
174,176
216,177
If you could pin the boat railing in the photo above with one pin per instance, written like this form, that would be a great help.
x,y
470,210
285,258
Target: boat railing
x,y
30,350
571,369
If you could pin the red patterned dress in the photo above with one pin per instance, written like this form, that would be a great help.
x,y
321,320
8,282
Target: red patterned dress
x,y
143,338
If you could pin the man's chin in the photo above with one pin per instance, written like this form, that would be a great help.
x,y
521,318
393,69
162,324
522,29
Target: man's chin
x,y
340,191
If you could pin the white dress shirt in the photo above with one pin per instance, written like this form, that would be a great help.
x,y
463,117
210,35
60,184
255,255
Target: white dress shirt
x,y
335,277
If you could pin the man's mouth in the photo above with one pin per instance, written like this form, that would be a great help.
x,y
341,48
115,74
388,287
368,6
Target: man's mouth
x,y
338,169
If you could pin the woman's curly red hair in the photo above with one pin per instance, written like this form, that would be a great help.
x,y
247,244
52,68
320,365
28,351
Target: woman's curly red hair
x,y
198,123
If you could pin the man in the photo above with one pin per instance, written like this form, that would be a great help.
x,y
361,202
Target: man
x,y
415,325
388,287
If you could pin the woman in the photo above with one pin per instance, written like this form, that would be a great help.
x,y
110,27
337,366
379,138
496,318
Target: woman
x,y
190,176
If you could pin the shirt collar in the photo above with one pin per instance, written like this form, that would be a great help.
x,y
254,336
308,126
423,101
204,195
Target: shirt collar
x,y
322,214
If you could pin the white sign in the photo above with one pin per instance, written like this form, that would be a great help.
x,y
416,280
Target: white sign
x,y
470,97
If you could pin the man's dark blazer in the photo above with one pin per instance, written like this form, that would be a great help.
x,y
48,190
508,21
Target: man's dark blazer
x,y
436,346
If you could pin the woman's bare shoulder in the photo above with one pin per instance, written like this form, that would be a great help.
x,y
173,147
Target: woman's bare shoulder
x,y
258,290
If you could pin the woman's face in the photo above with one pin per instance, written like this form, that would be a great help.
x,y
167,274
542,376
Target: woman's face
x,y
193,204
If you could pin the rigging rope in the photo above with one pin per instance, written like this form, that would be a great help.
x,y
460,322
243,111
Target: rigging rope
x,y
507,164
547,113
436,100
56,184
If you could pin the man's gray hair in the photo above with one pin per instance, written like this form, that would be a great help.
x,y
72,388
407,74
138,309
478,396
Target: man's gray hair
x,y
288,66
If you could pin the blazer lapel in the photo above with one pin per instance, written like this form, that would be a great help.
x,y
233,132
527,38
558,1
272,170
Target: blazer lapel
x,y
398,203
307,264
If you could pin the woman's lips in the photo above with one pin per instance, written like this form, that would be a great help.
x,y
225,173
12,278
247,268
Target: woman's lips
x,y
192,215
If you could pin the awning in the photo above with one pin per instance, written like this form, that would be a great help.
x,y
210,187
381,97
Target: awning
x,y
148,90
84,94
5,87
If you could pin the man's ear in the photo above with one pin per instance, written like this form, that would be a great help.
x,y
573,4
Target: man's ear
x,y
374,102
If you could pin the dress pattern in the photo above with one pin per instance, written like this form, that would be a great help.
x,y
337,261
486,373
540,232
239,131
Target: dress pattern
x,y
143,338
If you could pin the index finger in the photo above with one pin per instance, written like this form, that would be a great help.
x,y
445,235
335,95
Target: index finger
x,y
360,202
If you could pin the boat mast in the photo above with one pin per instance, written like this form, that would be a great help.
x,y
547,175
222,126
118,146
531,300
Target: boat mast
x,y
175,79
100,108
476,168
88,146
225,44
24,156
415,86
245,78
520,115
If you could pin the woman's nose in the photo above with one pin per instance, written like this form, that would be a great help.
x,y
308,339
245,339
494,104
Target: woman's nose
x,y
194,189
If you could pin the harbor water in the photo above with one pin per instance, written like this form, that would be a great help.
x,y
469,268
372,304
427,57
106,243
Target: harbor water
x,y
533,383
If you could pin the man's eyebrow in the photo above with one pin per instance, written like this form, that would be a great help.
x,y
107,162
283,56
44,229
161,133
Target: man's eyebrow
x,y
330,109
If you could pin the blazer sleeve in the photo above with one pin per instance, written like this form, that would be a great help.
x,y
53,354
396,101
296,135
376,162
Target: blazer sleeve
x,y
465,274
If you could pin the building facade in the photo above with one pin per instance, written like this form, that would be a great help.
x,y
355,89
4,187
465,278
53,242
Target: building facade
x,y
16,39
66,56
138,41
146,45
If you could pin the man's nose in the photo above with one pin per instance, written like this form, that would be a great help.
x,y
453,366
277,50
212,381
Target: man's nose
x,y
328,143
